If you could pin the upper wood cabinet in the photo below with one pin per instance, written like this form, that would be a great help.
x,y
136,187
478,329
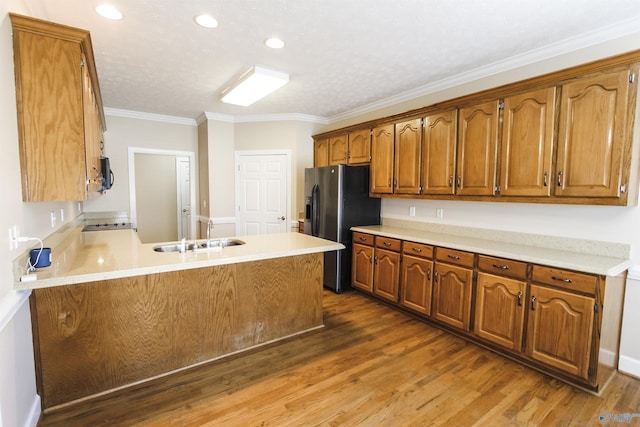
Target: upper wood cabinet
x,y
592,135
382,147
359,147
527,143
407,157
60,117
439,152
320,153
338,150
477,149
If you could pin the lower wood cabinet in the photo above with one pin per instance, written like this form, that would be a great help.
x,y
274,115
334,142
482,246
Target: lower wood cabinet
x,y
551,319
499,316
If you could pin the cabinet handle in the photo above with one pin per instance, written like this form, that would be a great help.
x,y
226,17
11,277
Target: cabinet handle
x,y
533,300
389,183
451,181
395,182
418,250
502,267
560,279
387,244
435,275
428,274
370,259
363,239
546,174
560,179
520,299
459,181
453,257
375,259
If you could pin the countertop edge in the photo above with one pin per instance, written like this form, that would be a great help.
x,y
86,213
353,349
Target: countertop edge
x,y
606,266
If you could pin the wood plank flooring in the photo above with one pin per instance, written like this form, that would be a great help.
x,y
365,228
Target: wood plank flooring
x,y
369,366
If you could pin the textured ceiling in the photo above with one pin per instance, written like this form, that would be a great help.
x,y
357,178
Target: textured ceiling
x,y
340,54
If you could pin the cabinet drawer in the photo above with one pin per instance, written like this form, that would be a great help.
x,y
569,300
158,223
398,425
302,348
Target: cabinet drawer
x,y
387,243
365,239
455,257
417,249
565,279
503,267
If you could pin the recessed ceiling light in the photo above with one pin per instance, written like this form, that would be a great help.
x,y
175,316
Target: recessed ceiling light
x,y
206,21
109,11
274,43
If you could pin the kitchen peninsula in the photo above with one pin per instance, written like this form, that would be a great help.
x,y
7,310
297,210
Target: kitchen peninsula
x,y
112,312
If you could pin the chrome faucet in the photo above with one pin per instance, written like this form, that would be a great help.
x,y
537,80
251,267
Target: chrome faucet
x,y
209,227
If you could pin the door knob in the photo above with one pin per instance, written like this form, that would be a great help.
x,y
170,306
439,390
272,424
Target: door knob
x,y
282,218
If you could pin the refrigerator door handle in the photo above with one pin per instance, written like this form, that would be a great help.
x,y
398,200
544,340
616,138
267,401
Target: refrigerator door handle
x,y
315,210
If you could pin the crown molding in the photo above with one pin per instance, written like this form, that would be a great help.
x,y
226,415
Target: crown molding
x,y
629,27
149,116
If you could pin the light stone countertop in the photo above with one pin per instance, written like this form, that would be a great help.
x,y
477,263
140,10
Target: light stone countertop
x,y
102,255
584,262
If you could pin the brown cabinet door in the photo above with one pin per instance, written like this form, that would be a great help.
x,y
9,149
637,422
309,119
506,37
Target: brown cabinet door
x,y
382,160
560,329
320,153
407,157
386,274
452,295
50,117
338,150
500,310
477,149
439,153
527,143
359,147
362,269
416,284
92,134
592,136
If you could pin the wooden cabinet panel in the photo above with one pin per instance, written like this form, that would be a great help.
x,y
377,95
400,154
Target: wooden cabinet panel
x,y
499,315
386,274
439,152
320,153
363,238
503,267
477,149
407,157
92,134
527,143
388,243
592,136
338,150
362,269
455,256
560,329
452,295
359,147
417,249
416,284
569,280
382,146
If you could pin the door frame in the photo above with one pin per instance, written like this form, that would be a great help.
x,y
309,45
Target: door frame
x,y
287,154
132,151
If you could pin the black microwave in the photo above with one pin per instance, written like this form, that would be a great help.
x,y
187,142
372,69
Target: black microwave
x,y
107,174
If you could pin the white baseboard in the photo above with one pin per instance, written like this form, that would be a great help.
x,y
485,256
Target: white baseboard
x,y
629,366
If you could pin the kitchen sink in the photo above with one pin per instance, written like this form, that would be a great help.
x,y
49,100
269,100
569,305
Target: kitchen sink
x,y
198,246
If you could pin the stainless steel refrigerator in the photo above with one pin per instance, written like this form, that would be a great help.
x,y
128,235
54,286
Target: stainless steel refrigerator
x,y
336,199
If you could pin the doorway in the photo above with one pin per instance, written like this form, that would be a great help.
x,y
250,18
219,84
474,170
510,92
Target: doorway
x,y
263,188
161,194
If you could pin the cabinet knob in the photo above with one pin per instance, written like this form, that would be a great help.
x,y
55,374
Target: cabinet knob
x,y
533,301
560,179
560,279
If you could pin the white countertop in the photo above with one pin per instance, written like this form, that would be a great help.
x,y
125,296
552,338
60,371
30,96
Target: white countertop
x,y
102,255
588,263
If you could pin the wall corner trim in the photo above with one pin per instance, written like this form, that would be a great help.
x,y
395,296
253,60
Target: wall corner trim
x,y
10,304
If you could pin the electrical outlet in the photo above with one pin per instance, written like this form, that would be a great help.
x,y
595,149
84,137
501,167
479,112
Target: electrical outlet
x,y
54,219
412,211
13,238
439,213
61,215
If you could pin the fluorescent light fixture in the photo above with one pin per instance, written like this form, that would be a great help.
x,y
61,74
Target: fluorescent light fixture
x,y
255,84
109,11
206,21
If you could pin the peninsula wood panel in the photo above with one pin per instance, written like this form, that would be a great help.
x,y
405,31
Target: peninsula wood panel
x,y
528,131
93,337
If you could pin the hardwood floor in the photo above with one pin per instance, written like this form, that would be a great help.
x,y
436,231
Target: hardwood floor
x,y
369,366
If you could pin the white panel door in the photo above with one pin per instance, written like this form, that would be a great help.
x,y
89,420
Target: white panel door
x,y
262,194
184,197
